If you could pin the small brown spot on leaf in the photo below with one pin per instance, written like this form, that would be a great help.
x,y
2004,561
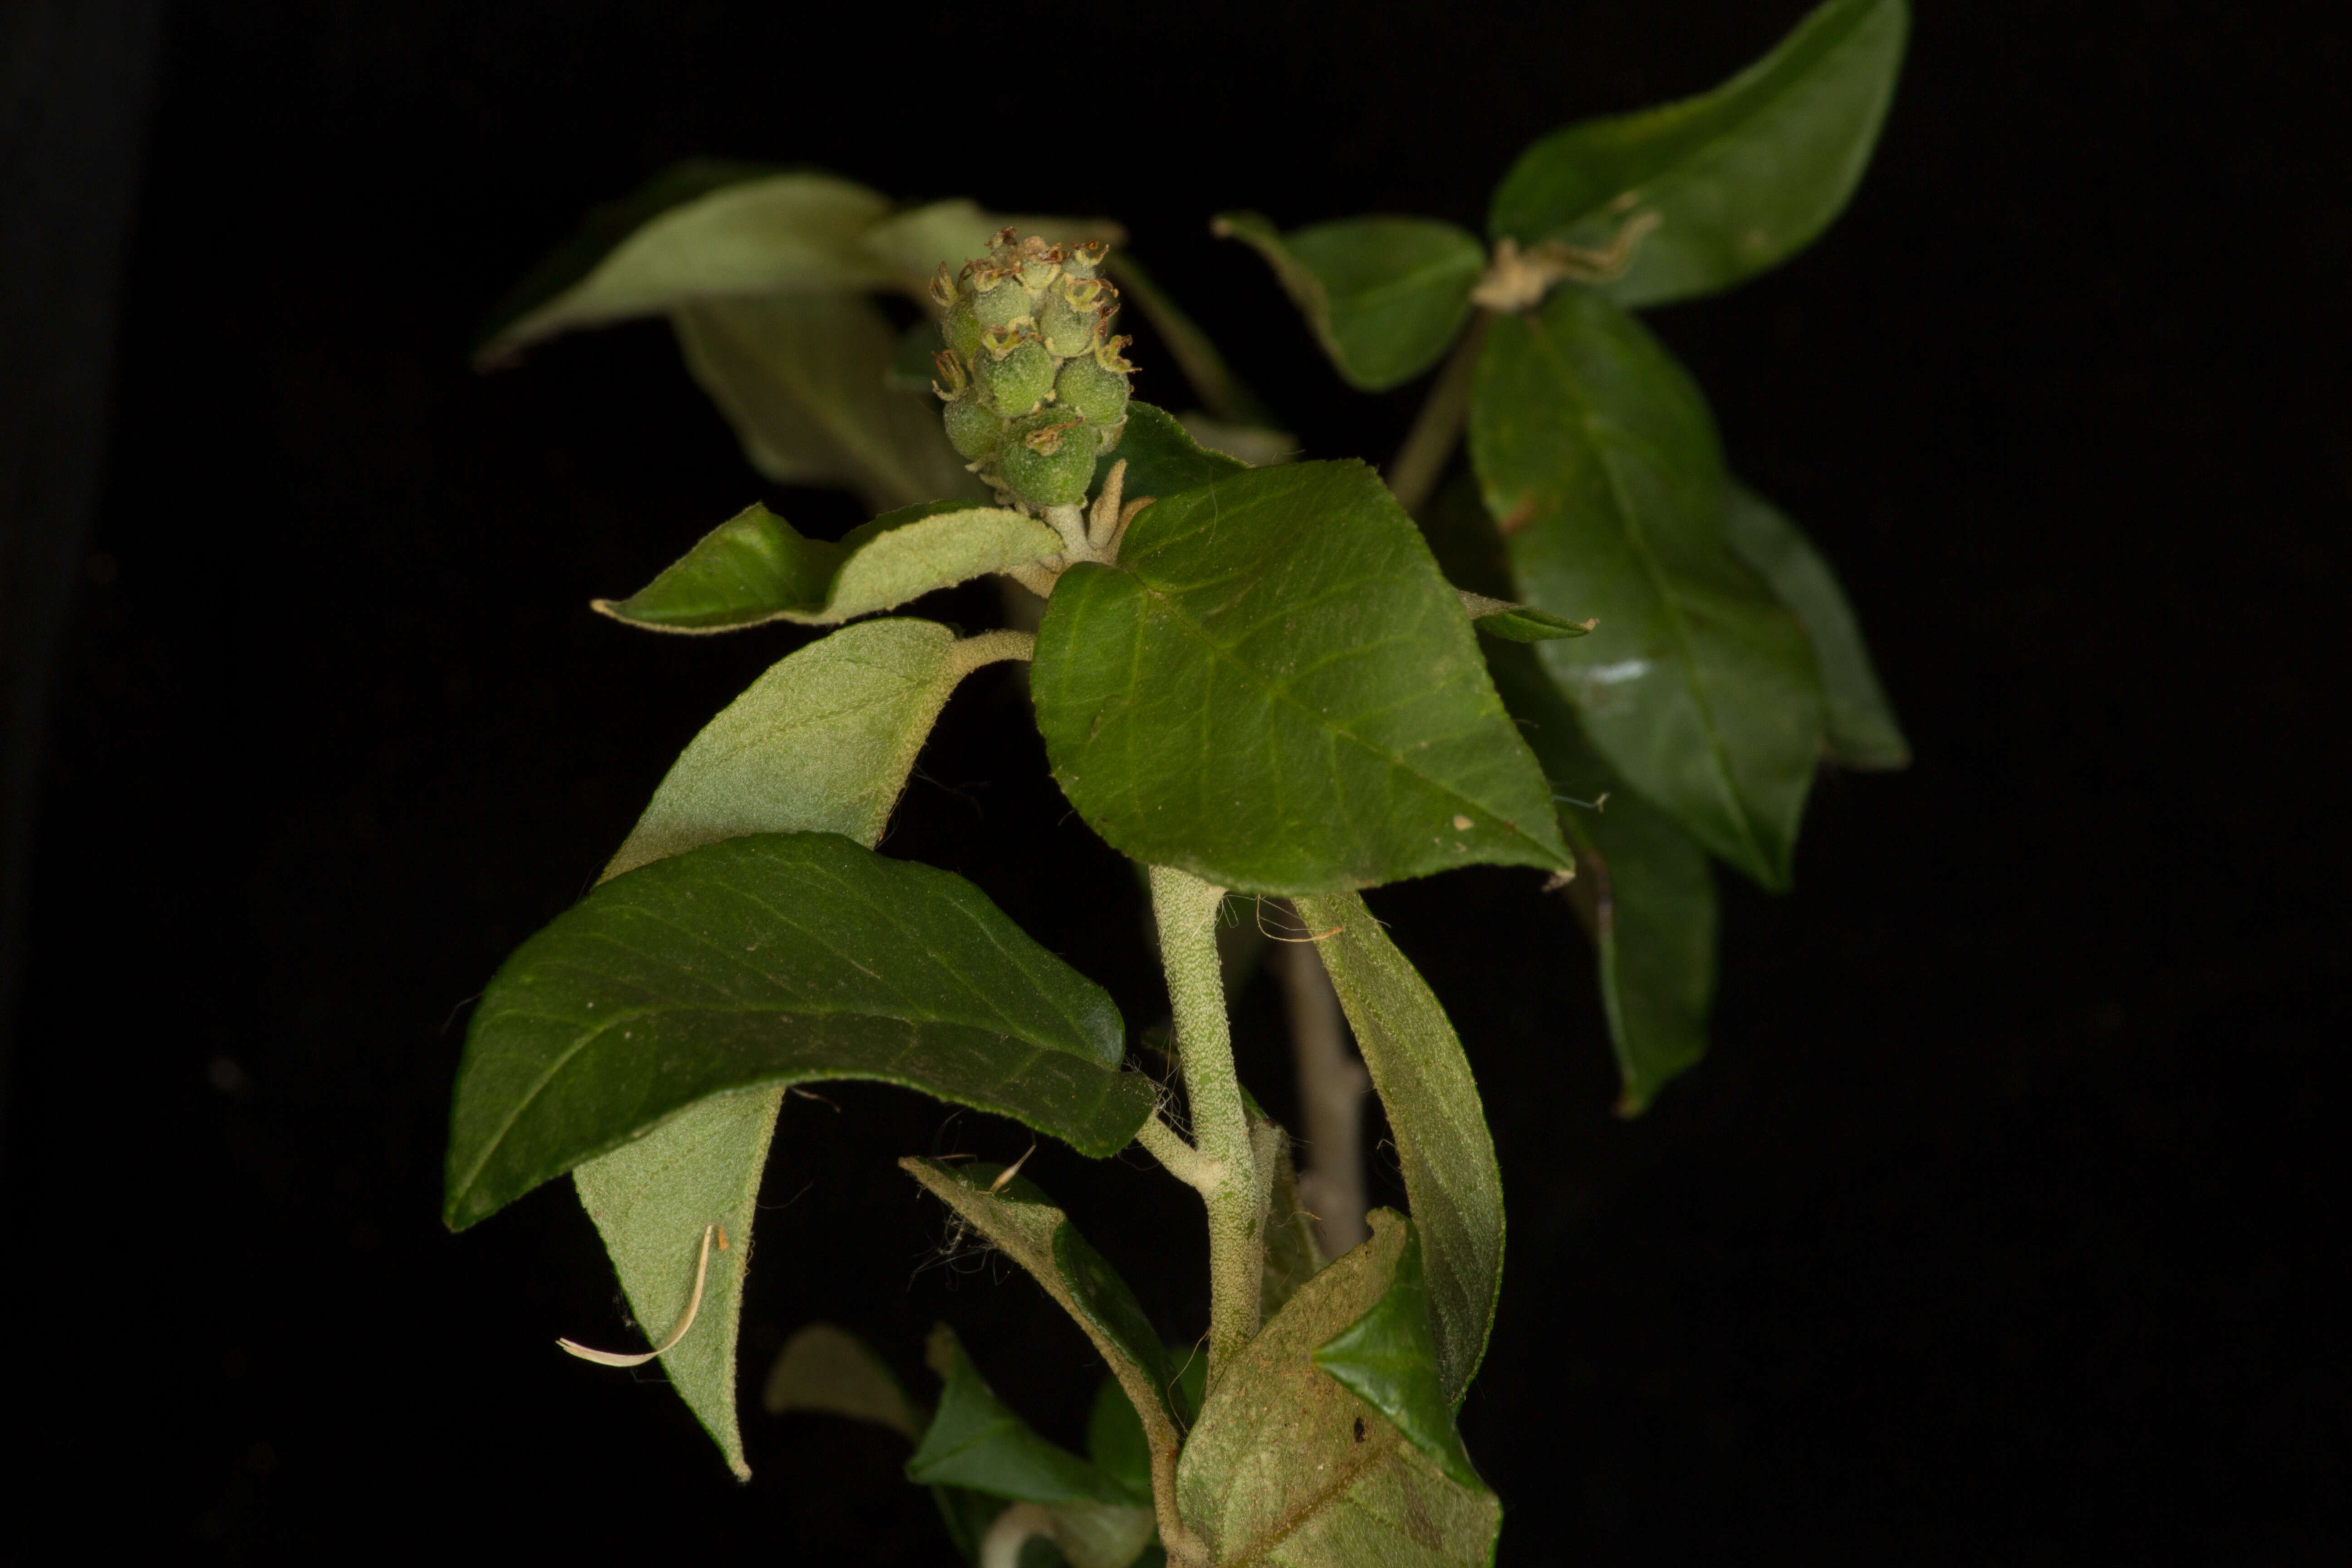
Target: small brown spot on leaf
x,y
1461,824
1518,518
1359,1428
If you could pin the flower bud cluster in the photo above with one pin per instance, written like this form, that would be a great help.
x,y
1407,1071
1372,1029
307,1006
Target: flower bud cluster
x,y
1033,382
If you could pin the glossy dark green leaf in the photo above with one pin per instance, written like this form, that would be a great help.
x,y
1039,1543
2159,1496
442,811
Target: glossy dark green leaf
x,y
1290,1466
1741,178
804,380
1386,296
702,230
1388,1359
1161,457
1430,1098
754,568
1598,458
1861,721
765,960
1643,890
976,1441
1276,691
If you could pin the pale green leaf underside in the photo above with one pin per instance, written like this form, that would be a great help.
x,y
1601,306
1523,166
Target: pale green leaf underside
x,y
1863,732
1430,1098
755,568
1741,177
831,1371
804,380
766,234
1276,691
1385,295
767,961
1275,1473
1597,458
822,742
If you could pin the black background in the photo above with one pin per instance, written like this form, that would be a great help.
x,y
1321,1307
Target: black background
x,y
1996,1229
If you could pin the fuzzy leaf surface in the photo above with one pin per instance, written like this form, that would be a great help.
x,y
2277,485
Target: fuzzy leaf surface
x,y
1292,1254
1276,691
1431,1097
702,230
755,568
1288,1465
1742,177
1389,1358
804,380
1386,296
769,960
1161,456
1863,732
1597,458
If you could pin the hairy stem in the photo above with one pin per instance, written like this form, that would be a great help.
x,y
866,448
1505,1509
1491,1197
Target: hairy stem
x,y
1186,910
1332,1085
1420,461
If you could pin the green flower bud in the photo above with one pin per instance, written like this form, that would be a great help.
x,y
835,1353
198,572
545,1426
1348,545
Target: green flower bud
x,y
1086,258
961,327
1067,328
976,432
1092,390
1015,378
999,301
1050,465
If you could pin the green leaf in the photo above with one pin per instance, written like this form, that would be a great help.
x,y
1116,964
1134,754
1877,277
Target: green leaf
x,y
977,1442
833,1371
1741,177
804,379
1643,890
1276,691
1288,1465
1292,1254
650,1201
702,230
1161,456
1116,1443
1023,1223
1431,1097
769,960
912,244
822,742
1389,1358
1386,296
1598,458
1861,721
754,568
1518,623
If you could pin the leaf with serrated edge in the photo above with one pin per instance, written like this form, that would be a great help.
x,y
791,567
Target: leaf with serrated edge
x,y
769,960
1741,177
1289,1466
1863,732
976,1441
1389,1358
1385,295
754,568
833,1371
1275,690
1161,456
764,234
1023,1223
1430,1098
1598,458
804,380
